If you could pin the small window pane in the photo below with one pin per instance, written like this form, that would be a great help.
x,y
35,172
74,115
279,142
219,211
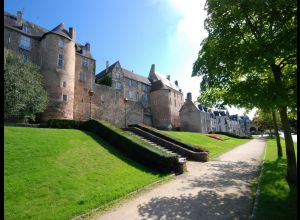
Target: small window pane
x,y
24,42
65,98
61,43
60,61
84,62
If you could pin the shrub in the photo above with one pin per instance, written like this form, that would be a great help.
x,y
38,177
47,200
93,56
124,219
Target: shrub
x,y
63,123
132,147
106,80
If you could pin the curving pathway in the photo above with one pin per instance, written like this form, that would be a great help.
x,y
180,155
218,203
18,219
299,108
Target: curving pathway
x,y
218,189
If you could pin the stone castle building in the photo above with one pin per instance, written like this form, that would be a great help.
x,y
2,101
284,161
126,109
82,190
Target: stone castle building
x,y
68,69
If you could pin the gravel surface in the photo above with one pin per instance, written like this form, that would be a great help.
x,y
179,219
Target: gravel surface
x,y
218,189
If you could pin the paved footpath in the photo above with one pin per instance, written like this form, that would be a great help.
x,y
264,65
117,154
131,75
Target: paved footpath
x,y
218,189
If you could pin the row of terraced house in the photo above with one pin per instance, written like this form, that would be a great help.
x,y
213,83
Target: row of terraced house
x,y
68,70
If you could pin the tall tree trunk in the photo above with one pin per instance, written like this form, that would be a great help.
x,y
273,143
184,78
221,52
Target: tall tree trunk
x,y
279,148
289,146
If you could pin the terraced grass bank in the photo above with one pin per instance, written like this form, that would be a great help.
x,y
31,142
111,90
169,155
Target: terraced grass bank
x,y
215,147
61,173
278,199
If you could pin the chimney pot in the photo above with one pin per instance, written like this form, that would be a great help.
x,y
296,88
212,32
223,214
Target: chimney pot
x,y
176,83
87,46
189,96
168,77
107,65
19,17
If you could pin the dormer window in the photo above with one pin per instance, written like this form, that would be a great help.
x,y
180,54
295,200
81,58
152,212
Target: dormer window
x,y
24,42
26,28
84,62
61,43
84,52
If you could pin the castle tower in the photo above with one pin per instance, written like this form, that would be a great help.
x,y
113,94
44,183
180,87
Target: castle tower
x,y
57,51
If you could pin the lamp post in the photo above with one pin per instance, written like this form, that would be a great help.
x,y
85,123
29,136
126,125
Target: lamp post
x,y
125,100
91,93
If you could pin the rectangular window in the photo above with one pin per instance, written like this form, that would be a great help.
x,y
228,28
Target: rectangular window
x,y
65,98
117,76
130,94
137,85
82,76
61,43
144,87
145,98
64,84
24,42
118,85
60,61
117,95
84,62
166,93
130,82
137,96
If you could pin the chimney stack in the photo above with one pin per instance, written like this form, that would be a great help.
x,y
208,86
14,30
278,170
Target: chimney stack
x,y
107,65
19,17
168,77
72,34
189,96
87,46
176,82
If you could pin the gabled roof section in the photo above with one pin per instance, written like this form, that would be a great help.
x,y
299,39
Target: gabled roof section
x,y
136,77
61,30
158,85
104,72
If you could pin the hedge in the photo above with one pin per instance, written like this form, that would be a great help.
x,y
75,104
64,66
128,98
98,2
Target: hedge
x,y
63,123
229,134
133,147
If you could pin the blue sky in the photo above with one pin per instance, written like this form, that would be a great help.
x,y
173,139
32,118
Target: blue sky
x,y
138,33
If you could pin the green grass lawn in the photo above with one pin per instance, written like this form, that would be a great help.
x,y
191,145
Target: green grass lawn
x,y
278,199
61,173
215,147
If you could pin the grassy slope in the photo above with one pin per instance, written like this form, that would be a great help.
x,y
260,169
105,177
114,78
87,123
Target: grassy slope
x,y
60,173
215,147
277,198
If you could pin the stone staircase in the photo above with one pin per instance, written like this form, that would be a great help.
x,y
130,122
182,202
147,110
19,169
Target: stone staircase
x,y
168,144
181,159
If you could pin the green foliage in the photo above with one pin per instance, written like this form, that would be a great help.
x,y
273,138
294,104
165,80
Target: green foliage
x,y
57,174
63,123
215,147
278,199
264,120
106,80
133,147
23,91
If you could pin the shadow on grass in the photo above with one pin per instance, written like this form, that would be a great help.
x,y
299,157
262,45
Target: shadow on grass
x,y
277,198
122,156
224,193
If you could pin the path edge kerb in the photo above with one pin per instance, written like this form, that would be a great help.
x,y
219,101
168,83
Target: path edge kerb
x,y
115,202
253,214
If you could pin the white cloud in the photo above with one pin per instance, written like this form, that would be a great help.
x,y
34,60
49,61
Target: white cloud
x,y
184,45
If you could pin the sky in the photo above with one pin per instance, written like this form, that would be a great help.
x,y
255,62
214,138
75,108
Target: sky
x,y
137,33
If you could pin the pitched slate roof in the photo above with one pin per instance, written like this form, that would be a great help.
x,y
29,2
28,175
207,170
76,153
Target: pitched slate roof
x,y
61,30
167,82
103,72
136,77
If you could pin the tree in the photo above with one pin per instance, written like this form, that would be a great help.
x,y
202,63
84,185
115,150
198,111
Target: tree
x,y
23,91
267,119
106,80
249,59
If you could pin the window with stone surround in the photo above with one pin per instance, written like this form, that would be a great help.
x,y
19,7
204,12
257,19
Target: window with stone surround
x,y
65,98
61,43
118,76
60,60
83,52
25,42
82,76
130,82
84,62
130,94
118,85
